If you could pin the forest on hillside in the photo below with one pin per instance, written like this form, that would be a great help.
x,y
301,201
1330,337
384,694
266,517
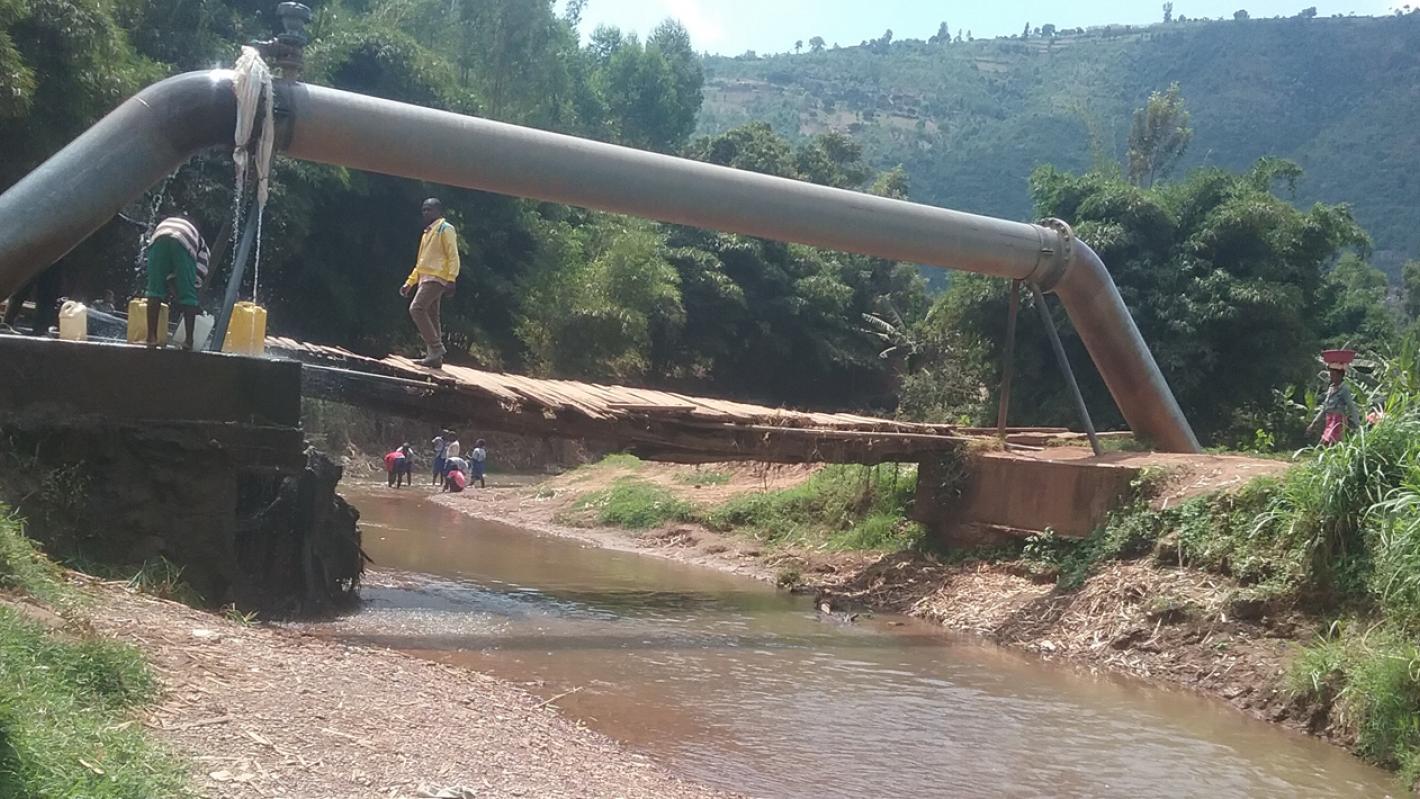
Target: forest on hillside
x,y
969,119
1215,257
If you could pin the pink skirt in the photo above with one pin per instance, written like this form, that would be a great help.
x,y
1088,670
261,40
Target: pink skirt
x,y
1335,429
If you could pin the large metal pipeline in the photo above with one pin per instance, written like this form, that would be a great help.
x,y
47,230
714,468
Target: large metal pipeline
x,y
54,208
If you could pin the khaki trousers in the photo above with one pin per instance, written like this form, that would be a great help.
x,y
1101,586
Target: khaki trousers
x,y
424,310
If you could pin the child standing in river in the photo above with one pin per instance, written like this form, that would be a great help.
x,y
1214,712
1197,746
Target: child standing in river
x,y
477,460
440,448
399,466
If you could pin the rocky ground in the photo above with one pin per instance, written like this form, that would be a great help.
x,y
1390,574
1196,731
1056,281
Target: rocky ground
x,y
268,712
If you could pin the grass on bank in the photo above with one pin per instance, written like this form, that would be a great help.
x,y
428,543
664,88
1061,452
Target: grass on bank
x,y
1338,536
634,504
1371,679
839,508
23,568
66,698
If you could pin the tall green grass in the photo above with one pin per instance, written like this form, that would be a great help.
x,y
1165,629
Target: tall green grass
x,y
840,507
23,568
1371,679
66,698
634,504
64,725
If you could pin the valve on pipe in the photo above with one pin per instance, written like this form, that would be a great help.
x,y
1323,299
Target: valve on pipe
x,y
287,51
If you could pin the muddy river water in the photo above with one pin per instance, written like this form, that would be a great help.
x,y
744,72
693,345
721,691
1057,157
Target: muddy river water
x,y
731,683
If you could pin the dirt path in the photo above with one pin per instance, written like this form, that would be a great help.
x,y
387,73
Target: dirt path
x,y
267,712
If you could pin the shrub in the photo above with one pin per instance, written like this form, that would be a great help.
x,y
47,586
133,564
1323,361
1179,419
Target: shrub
x,y
635,504
1372,682
839,507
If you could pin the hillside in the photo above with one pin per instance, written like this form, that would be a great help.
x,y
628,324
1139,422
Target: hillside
x,y
969,121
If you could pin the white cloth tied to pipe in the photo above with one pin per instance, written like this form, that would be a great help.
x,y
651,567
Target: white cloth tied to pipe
x,y
253,87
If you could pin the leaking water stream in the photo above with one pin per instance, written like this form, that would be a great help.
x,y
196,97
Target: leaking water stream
x,y
731,683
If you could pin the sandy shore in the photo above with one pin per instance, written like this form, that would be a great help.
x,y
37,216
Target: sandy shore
x,y
268,712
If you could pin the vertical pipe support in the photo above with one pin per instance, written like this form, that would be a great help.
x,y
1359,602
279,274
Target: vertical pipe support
x,y
1008,358
1065,369
234,281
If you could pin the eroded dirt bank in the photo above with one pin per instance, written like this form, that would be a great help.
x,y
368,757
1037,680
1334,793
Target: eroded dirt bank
x,y
267,712
1148,618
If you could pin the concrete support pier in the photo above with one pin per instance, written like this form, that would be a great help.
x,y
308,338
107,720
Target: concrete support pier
x,y
120,455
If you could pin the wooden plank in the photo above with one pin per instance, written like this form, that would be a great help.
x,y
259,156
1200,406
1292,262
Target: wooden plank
x,y
481,380
570,395
634,407
591,394
701,409
553,398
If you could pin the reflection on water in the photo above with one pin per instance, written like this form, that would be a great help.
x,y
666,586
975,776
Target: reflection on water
x,y
737,685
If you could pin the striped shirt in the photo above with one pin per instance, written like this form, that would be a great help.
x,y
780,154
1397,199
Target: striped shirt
x,y
186,234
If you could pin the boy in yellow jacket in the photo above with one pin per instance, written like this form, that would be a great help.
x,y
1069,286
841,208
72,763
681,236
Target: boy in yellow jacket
x,y
435,272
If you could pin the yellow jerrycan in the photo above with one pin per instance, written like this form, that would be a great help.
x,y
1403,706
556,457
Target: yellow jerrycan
x,y
138,321
246,332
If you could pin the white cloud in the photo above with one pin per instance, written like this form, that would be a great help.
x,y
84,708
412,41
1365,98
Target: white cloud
x,y
704,27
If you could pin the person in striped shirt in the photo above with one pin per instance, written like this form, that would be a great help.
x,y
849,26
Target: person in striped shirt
x,y
176,254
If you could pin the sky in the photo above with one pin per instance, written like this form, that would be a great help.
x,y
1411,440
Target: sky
x,y
731,27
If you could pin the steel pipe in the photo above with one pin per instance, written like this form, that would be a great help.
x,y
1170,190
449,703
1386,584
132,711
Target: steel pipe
x,y
83,186
376,135
70,196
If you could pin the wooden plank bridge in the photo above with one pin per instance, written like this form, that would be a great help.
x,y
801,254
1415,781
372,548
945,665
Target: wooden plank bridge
x,y
655,424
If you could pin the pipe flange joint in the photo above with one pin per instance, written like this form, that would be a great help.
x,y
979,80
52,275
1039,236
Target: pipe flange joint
x,y
1055,259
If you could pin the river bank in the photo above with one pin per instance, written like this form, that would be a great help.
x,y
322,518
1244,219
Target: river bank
x,y
112,692
1144,616
262,711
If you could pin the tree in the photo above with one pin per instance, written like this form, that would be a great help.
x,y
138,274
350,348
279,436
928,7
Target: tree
x,y
942,36
1048,30
1158,137
816,44
1410,285
893,183
1240,15
1227,282
653,92
1025,34
781,321
1356,314
799,46
1307,13
593,311
1168,12
62,65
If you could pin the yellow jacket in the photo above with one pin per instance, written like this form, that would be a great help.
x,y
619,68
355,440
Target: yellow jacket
x,y
438,254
